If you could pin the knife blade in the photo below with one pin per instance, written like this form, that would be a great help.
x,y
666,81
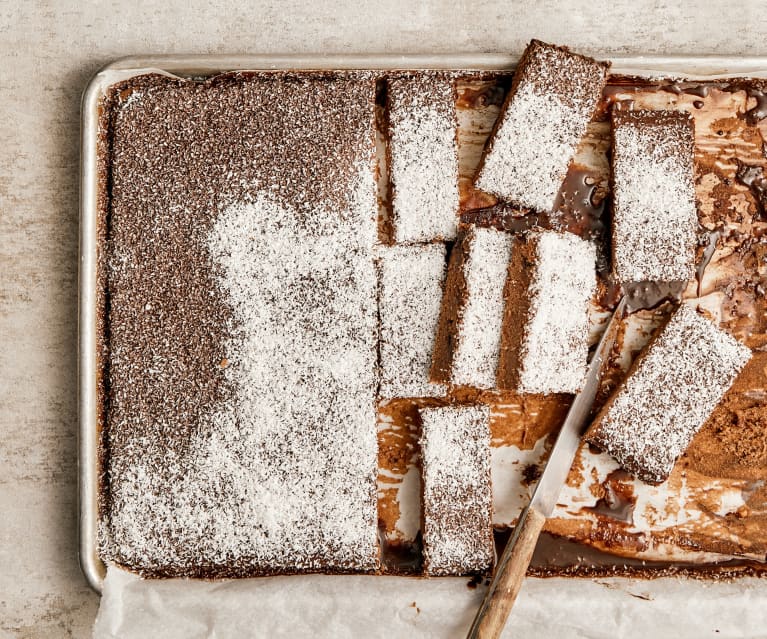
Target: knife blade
x,y
563,453
513,563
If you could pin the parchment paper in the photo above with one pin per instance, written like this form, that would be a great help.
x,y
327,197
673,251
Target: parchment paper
x,y
394,607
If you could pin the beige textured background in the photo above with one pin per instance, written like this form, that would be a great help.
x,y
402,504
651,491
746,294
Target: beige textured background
x,y
48,52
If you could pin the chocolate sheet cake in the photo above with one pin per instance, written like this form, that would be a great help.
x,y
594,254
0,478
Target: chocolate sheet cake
x,y
423,158
654,216
670,392
455,453
552,99
469,330
411,279
190,168
545,337
241,429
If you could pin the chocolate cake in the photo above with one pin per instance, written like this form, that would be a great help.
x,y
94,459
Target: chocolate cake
x,y
457,505
240,434
469,329
668,395
654,215
422,158
411,279
187,168
545,337
552,99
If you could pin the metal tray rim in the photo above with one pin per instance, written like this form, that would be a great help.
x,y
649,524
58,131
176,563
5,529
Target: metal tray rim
x,y
694,67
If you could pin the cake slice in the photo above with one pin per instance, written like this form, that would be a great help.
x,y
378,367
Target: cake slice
x,y
457,499
411,279
553,97
653,179
671,390
469,329
545,337
423,158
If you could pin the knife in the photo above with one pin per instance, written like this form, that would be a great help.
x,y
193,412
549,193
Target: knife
x,y
511,567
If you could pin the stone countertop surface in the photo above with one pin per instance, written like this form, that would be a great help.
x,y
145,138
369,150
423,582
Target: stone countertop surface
x,y
49,51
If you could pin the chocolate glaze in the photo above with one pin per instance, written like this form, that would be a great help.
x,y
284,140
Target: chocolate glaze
x,y
483,96
753,177
759,111
531,474
611,99
401,557
580,205
475,581
678,87
619,500
649,295
579,209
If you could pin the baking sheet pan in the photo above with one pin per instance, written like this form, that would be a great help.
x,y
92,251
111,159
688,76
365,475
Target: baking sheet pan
x,y
687,67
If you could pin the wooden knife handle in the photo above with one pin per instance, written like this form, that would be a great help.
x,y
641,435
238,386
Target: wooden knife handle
x,y
508,578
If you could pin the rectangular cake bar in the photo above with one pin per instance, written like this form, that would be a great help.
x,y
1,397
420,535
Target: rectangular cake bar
x,y
423,158
653,179
553,97
240,434
411,279
545,337
457,498
471,314
671,390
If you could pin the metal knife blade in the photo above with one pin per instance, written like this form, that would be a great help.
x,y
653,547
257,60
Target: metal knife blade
x,y
561,458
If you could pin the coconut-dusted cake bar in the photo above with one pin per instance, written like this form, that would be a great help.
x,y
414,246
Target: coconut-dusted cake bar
x,y
457,500
553,97
654,215
669,393
240,432
469,330
545,337
423,158
411,279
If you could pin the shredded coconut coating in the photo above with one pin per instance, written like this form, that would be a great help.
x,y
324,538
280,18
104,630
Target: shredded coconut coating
x,y
423,158
475,360
283,472
555,347
669,394
553,98
654,214
457,499
411,279
274,470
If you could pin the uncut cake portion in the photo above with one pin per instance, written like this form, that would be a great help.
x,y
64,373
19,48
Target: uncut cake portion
x,y
671,390
422,158
655,219
553,96
410,290
471,313
457,501
240,431
545,336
